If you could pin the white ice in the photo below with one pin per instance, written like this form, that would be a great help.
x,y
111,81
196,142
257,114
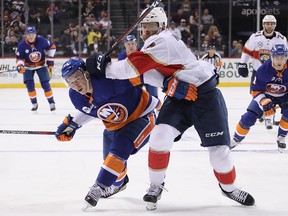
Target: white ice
x,y
41,176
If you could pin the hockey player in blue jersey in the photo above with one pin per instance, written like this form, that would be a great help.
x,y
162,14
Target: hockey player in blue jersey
x,y
32,54
124,108
269,89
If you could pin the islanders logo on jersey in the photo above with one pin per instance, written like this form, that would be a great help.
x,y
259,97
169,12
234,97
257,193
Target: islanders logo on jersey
x,y
113,112
35,56
274,88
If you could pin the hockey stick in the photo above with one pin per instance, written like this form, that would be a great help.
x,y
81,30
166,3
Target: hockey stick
x,y
11,70
27,132
130,29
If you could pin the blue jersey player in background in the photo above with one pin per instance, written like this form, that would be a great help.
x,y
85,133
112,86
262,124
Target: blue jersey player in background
x,y
32,54
269,89
124,108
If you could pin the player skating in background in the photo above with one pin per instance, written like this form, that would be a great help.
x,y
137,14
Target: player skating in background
x,y
207,113
268,89
213,58
30,58
125,109
258,47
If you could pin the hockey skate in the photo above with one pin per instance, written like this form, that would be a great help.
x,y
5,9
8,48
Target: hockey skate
x,y
281,143
269,123
153,195
93,196
234,142
239,196
52,107
34,107
109,191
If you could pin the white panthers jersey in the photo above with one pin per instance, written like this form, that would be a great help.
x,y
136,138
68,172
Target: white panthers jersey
x,y
258,47
165,54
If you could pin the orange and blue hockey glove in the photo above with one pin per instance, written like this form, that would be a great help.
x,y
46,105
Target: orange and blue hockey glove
x,y
173,87
267,106
67,129
20,69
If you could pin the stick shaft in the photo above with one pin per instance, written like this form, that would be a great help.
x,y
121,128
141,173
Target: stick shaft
x,y
130,29
27,132
6,71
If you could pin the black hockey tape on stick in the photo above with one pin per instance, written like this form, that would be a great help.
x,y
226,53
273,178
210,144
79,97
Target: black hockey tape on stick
x,y
130,29
27,132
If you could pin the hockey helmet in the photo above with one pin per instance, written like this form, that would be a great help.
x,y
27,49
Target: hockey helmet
x,y
74,64
279,49
269,18
31,30
158,15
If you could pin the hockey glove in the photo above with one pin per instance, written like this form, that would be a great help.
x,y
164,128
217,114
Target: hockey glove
x,y
96,64
50,71
67,129
20,69
242,69
179,89
267,106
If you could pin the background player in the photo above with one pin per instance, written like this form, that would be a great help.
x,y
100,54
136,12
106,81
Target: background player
x,y
268,90
30,58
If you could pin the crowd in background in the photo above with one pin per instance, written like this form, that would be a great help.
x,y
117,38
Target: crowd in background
x,y
92,35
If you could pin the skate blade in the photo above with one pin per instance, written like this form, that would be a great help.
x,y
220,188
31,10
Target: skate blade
x,y
87,207
281,150
151,206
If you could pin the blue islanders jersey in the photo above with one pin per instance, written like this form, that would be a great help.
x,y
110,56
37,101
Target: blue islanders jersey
x,y
115,102
34,54
270,81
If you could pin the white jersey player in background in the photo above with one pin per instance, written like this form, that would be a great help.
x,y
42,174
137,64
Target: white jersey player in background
x,y
258,47
207,112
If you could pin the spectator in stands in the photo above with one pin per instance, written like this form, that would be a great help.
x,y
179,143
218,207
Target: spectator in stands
x,y
175,31
186,6
207,20
237,51
88,10
76,49
52,10
35,18
11,46
17,21
90,39
104,22
178,17
65,42
184,29
95,47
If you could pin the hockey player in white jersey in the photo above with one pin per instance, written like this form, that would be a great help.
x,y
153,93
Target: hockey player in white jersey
x,y
258,48
207,112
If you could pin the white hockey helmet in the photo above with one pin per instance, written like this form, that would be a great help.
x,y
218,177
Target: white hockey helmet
x,y
269,18
158,15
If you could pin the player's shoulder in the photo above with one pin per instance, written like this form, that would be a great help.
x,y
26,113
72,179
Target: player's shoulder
x,y
279,35
257,34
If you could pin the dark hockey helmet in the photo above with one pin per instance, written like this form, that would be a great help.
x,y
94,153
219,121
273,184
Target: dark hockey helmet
x,y
279,49
74,64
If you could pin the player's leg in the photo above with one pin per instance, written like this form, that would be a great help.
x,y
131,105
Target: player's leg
x,y
28,78
44,80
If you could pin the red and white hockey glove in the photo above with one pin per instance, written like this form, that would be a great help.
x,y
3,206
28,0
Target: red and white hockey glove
x,y
181,90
